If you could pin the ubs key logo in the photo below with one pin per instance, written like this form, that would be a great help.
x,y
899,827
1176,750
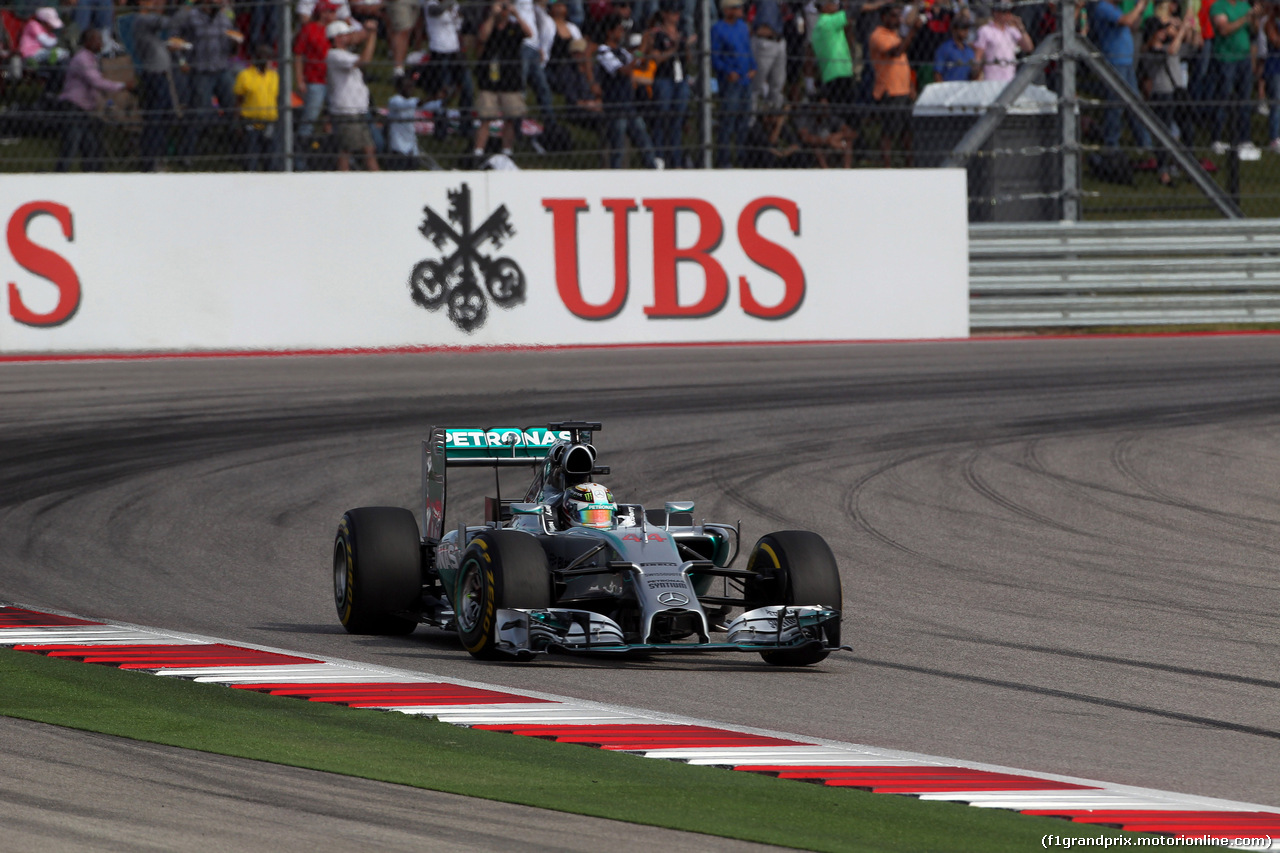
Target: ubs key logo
x,y
453,280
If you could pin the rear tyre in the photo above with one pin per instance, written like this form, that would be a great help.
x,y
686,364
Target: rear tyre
x,y
500,569
794,567
377,570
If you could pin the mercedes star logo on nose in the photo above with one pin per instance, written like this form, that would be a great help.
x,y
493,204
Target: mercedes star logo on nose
x,y
673,598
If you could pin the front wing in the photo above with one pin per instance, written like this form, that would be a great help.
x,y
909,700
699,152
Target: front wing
x,y
582,631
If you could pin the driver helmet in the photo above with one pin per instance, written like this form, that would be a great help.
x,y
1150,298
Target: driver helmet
x,y
589,505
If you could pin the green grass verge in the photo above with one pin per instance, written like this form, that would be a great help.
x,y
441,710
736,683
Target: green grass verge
x,y
427,754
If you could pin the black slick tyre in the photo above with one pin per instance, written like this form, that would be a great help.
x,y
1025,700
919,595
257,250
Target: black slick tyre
x,y
377,570
794,567
499,569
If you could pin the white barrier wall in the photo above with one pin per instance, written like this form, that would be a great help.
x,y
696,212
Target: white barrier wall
x,y
235,261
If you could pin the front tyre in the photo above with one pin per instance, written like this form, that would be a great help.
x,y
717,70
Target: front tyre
x,y
377,570
499,569
794,567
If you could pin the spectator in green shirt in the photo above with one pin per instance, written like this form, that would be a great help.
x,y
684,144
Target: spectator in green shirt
x,y
1234,21
1127,6
830,42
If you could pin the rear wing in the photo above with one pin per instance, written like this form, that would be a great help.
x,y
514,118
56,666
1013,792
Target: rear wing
x,y
485,447
499,446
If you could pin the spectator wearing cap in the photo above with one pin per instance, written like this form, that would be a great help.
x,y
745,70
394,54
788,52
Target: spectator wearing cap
x,y
614,67
156,91
307,9
665,47
208,27
769,47
38,40
1112,31
892,90
955,59
82,128
999,41
830,44
348,94
734,67
257,90
498,75
310,73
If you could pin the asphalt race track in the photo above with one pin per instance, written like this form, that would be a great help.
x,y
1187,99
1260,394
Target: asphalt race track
x,y
104,793
1058,555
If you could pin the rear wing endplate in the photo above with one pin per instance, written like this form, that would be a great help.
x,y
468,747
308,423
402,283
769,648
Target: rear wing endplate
x,y
484,447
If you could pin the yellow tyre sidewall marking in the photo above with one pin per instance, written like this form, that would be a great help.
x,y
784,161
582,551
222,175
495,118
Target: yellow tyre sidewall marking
x,y
764,546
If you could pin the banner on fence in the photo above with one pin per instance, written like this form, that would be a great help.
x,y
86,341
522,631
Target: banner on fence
x,y
232,261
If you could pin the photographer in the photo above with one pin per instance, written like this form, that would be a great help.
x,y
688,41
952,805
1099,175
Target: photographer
x,y
1111,29
498,75
1000,39
446,73
614,67
209,28
348,93
1167,41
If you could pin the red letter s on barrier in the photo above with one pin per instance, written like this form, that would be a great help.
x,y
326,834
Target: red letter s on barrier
x,y
772,257
44,263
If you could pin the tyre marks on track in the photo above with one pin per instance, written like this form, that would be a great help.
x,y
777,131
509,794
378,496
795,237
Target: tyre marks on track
x,y
856,496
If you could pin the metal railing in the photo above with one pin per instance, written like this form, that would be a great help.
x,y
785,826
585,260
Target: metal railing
x,y
1124,273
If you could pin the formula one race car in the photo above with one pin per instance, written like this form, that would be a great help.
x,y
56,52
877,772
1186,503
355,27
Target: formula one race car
x,y
567,569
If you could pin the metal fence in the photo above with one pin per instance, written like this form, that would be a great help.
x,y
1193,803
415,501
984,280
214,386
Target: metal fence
x,y
1068,274
195,77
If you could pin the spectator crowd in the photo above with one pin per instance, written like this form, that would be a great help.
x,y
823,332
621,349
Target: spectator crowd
x,y
407,84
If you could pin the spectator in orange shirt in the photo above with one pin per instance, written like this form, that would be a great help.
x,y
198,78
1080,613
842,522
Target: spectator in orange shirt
x,y
893,90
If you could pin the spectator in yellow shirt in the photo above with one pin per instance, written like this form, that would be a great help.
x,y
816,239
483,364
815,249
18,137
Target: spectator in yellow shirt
x,y
257,92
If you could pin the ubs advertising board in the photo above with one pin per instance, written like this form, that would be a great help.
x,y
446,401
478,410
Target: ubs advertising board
x,y
335,261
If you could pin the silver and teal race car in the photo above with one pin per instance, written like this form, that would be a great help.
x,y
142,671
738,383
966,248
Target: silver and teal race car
x,y
567,570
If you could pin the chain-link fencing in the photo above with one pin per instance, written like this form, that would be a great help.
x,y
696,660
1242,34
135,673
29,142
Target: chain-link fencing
x,y
315,85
